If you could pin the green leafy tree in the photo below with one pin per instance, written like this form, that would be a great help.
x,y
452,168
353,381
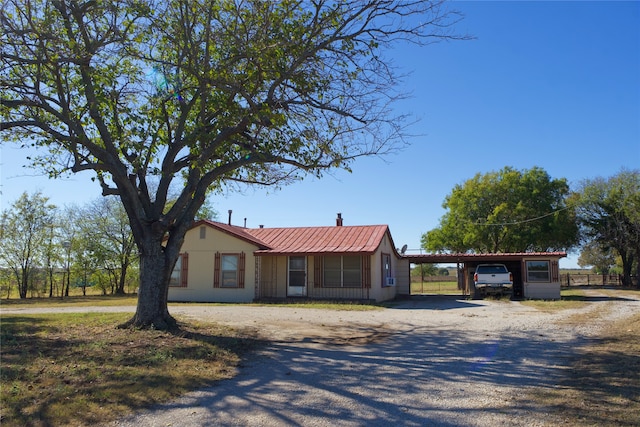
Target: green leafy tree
x,y
52,253
207,211
86,261
505,211
107,226
424,270
593,255
609,213
24,232
69,235
206,93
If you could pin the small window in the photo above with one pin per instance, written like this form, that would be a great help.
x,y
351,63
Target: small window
x,y
538,271
175,274
203,232
179,273
229,271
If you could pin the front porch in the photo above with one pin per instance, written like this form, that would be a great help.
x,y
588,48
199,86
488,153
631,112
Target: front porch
x,y
268,290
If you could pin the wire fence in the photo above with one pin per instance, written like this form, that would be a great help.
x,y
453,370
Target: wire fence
x,y
595,280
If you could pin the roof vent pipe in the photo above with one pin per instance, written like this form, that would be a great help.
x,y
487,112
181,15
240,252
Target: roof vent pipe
x,y
339,220
245,223
261,226
230,212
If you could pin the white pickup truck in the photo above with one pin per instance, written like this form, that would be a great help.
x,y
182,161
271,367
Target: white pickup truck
x,y
493,279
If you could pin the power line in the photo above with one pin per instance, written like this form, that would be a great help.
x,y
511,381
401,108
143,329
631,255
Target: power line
x,y
522,221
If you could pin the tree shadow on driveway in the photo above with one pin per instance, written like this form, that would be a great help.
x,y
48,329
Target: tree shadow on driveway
x,y
415,376
434,302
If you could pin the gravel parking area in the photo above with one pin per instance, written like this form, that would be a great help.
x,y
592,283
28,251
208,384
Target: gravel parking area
x,y
440,361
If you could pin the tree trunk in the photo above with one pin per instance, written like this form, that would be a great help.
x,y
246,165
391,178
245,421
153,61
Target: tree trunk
x,y
23,283
68,284
155,272
627,262
50,270
122,278
638,269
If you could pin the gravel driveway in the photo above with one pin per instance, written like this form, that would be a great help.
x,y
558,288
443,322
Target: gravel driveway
x,y
440,361
436,362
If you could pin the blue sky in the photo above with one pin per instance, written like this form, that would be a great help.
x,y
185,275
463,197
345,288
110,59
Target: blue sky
x,y
548,84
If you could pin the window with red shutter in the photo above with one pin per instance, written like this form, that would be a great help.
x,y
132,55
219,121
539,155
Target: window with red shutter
x,y
216,270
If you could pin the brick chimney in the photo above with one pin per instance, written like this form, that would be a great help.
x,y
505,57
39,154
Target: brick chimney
x,y
339,220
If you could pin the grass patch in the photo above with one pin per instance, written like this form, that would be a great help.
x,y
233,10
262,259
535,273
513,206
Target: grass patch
x,y
603,384
569,299
72,301
115,301
79,369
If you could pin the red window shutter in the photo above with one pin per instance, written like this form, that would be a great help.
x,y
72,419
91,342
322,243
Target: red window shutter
x,y
555,272
184,273
241,271
317,271
366,271
216,271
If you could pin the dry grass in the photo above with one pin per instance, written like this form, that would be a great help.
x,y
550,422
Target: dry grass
x,y
128,300
79,369
71,301
602,387
569,299
449,287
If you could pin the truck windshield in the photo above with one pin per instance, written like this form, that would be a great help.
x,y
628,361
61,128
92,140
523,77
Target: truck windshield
x,y
491,269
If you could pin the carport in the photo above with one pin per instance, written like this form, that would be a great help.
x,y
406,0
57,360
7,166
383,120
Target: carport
x,y
535,274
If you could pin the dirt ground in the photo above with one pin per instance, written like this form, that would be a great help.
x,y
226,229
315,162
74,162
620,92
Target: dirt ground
x,y
436,360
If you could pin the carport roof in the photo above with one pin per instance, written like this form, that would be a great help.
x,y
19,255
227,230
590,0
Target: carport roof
x,y
498,257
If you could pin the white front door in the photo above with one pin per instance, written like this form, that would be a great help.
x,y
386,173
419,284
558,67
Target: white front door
x,y
297,277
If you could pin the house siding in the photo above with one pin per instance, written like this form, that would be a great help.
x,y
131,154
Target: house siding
x,y
266,274
200,279
379,289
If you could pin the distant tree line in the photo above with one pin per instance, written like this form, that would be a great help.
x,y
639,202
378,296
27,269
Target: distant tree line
x,y
47,250
528,211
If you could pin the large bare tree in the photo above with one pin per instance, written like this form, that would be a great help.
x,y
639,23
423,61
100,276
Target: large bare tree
x,y
207,93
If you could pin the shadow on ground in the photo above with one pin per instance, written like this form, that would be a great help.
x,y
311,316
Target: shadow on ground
x,y
415,377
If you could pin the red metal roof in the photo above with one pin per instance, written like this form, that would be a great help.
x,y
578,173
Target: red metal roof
x,y
319,240
308,240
